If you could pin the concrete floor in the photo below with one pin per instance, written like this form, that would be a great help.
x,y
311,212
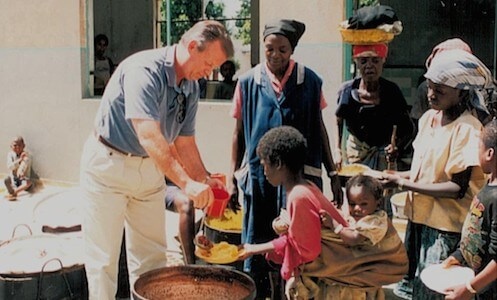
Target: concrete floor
x,y
56,205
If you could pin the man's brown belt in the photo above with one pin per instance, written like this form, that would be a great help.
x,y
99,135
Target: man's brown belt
x,y
109,145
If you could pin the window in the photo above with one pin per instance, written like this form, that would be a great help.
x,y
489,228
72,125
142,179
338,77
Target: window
x,y
176,16
132,26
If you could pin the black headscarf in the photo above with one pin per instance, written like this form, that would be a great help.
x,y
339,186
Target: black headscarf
x,y
291,29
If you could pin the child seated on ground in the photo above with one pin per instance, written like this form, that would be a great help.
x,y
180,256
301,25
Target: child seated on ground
x,y
478,245
357,260
19,165
282,153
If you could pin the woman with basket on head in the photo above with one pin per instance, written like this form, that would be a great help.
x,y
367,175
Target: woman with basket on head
x,y
370,106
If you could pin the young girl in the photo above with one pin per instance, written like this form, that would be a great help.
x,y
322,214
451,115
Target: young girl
x,y
359,259
282,153
445,173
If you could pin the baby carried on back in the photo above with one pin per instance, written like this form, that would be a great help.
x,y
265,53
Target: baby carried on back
x,y
356,261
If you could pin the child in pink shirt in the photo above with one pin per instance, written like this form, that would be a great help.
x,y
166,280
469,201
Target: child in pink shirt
x,y
282,153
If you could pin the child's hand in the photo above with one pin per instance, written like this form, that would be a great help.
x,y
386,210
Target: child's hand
x,y
450,261
282,222
458,292
290,288
326,219
245,251
279,226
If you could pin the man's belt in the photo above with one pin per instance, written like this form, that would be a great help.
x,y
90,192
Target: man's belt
x,y
109,145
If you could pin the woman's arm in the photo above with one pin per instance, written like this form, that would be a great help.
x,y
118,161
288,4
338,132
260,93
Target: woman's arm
x,y
330,166
237,151
338,160
448,189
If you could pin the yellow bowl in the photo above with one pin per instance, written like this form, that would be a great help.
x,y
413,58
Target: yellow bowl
x,y
353,170
365,36
220,253
228,222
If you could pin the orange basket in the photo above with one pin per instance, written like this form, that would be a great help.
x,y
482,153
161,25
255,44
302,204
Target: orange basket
x,y
366,36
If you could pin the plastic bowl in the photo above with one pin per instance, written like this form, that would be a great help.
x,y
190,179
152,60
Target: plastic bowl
x,y
216,209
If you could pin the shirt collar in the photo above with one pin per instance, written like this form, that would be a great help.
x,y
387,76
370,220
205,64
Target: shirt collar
x,y
277,84
186,86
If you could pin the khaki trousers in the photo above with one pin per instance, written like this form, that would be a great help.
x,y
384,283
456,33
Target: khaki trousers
x,y
120,192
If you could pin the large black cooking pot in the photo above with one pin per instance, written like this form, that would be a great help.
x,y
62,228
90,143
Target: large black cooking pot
x,y
194,282
43,266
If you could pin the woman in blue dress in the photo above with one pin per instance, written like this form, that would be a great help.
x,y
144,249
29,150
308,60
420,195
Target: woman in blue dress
x,y
277,92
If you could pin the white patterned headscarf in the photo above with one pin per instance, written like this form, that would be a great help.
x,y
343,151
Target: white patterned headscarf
x,y
462,70
450,44
459,69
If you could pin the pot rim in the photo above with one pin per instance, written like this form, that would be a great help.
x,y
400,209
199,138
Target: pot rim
x,y
246,281
51,238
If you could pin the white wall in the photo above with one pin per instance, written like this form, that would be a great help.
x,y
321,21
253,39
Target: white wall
x,y
40,83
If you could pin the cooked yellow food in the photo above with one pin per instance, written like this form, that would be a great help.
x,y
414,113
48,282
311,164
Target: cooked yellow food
x,y
352,170
229,221
220,253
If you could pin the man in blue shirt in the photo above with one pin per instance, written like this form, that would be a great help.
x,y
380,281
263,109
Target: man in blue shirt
x,y
149,104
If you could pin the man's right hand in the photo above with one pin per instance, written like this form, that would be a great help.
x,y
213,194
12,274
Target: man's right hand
x,y
201,194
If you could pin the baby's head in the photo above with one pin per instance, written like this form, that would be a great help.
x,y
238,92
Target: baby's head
x,y
282,149
364,195
17,145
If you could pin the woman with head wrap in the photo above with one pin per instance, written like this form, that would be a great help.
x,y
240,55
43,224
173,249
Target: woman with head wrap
x,y
480,96
277,92
369,107
445,172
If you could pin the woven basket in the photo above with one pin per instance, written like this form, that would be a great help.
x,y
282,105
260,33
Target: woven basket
x,y
365,36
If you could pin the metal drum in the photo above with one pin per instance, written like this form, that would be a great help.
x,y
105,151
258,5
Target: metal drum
x,y
43,266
